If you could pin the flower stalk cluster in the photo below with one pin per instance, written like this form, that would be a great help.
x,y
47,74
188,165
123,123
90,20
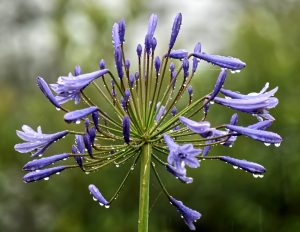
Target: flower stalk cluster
x,y
146,114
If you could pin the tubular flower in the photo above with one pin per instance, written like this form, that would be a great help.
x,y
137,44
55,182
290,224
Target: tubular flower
x,y
146,110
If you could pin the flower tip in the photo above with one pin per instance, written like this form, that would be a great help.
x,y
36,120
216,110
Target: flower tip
x,y
97,196
175,29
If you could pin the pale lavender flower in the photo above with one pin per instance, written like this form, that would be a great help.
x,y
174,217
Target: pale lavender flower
x,y
189,215
180,174
36,141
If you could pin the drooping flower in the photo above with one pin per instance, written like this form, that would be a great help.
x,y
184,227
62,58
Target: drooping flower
x,y
97,195
189,215
35,141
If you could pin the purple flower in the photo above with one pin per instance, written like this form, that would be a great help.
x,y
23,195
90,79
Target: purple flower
x,y
222,61
36,141
152,25
244,164
190,90
172,66
148,44
178,54
68,88
161,112
157,64
189,215
126,129
261,94
179,156
97,196
139,50
131,80
260,135
198,127
197,49
127,64
118,61
185,67
43,162
42,84
76,115
180,174
153,44
77,70
102,64
256,106
116,36
175,30
79,143
95,117
88,144
42,174
219,84
122,28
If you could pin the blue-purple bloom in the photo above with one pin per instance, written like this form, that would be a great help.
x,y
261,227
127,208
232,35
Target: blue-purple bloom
x,y
175,29
122,28
42,174
219,84
185,67
76,115
248,166
126,129
222,61
42,84
157,64
35,141
198,127
69,87
189,215
43,162
178,54
97,196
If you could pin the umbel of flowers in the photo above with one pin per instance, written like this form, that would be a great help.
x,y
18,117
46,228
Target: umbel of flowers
x,y
145,113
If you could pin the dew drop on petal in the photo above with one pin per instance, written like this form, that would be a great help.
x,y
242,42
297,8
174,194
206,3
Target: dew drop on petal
x,y
77,122
277,144
261,176
255,175
87,173
94,198
46,178
100,204
267,144
235,167
57,173
58,109
107,206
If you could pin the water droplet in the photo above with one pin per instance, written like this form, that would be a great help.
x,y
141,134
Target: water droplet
x,y
57,173
212,102
64,159
117,165
107,206
267,144
94,198
277,144
58,109
261,176
132,168
87,173
100,204
255,175
77,122
235,167
46,178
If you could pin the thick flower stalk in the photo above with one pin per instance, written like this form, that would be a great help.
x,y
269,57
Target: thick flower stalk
x,y
145,113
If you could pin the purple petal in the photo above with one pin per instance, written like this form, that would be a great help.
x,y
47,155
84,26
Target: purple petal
x,y
42,174
179,174
97,195
152,25
222,61
116,36
197,127
118,62
244,164
88,144
219,84
42,84
260,135
175,29
185,67
77,70
75,115
43,162
197,49
139,50
189,215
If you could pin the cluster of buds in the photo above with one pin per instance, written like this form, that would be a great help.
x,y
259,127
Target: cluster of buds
x,y
147,112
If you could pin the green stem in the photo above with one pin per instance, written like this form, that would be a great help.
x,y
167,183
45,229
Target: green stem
x,y
144,188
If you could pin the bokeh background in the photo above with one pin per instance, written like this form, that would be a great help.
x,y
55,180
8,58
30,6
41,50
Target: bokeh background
x,y
49,38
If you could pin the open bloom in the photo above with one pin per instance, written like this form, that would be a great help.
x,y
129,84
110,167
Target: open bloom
x,y
36,141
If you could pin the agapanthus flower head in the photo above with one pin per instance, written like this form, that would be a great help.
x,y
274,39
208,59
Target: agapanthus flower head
x,y
147,110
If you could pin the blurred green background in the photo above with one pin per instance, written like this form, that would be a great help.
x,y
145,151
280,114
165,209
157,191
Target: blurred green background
x,y
49,38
